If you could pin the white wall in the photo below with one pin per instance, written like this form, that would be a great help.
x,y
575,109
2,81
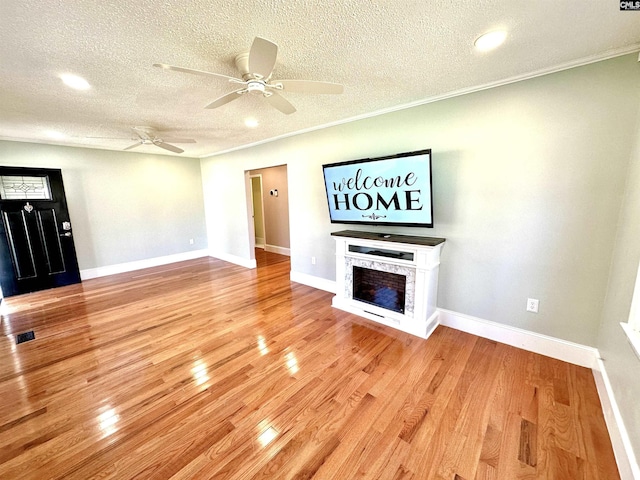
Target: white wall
x,y
124,206
226,209
528,181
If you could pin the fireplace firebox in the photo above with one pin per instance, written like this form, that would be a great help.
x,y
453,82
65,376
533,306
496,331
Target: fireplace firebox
x,y
384,289
390,279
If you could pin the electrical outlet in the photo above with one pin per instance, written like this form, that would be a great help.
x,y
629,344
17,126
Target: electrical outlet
x,y
313,260
191,241
532,305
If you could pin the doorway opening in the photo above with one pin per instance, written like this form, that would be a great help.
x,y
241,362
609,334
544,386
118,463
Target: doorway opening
x,y
268,202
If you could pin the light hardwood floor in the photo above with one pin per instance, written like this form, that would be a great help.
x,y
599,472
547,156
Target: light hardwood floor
x,y
204,369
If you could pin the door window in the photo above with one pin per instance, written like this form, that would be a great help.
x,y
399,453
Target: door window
x,y
20,187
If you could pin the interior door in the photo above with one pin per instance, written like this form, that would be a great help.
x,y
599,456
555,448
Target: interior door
x,y
36,238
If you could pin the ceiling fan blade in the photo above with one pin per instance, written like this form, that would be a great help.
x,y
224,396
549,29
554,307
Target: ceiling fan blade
x,y
137,144
309,86
164,66
223,100
262,57
177,140
168,146
280,103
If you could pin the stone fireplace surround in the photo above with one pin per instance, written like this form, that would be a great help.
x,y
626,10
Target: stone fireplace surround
x,y
416,258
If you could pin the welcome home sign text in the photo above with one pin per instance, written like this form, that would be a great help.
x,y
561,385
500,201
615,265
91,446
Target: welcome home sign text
x,y
388,191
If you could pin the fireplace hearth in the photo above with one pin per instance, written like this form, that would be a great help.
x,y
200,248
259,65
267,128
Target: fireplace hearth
x,y
391,279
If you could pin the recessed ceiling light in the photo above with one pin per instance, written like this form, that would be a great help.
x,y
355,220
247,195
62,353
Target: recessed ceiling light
x,y
54,134
75,81
490,40
251,122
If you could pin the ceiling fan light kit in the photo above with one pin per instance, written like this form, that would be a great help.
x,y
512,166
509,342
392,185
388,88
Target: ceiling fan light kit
x,y
256,87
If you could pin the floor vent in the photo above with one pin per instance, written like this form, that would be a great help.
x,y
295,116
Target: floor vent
x,y
25,337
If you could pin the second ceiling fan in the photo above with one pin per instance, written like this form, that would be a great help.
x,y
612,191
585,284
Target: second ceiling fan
x,y
256,68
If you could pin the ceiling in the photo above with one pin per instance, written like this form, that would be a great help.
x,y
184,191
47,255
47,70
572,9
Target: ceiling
x,y
387,54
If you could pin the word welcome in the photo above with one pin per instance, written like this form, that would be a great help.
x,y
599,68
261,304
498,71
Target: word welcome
x,y
358,183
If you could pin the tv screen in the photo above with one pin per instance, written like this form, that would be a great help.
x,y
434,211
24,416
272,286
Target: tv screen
x,y
394,190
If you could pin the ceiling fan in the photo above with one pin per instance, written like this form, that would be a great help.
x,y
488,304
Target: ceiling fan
x,y
256,67
149,136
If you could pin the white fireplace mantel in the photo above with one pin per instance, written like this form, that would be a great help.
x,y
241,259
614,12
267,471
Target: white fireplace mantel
x,y
416,258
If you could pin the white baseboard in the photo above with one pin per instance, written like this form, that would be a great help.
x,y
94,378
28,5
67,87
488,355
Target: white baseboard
x,y
260,242
227,257
622,448
276,249
313,281
90,273
518,337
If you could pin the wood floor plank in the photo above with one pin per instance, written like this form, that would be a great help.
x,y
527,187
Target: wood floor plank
x,y
203,369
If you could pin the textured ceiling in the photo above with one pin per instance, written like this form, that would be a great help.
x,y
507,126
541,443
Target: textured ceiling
x,y
387,54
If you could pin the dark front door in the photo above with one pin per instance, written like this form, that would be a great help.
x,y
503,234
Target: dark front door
x,y
36,239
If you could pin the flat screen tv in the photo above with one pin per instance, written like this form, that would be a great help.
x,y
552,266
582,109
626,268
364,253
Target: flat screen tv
x,y
394,190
